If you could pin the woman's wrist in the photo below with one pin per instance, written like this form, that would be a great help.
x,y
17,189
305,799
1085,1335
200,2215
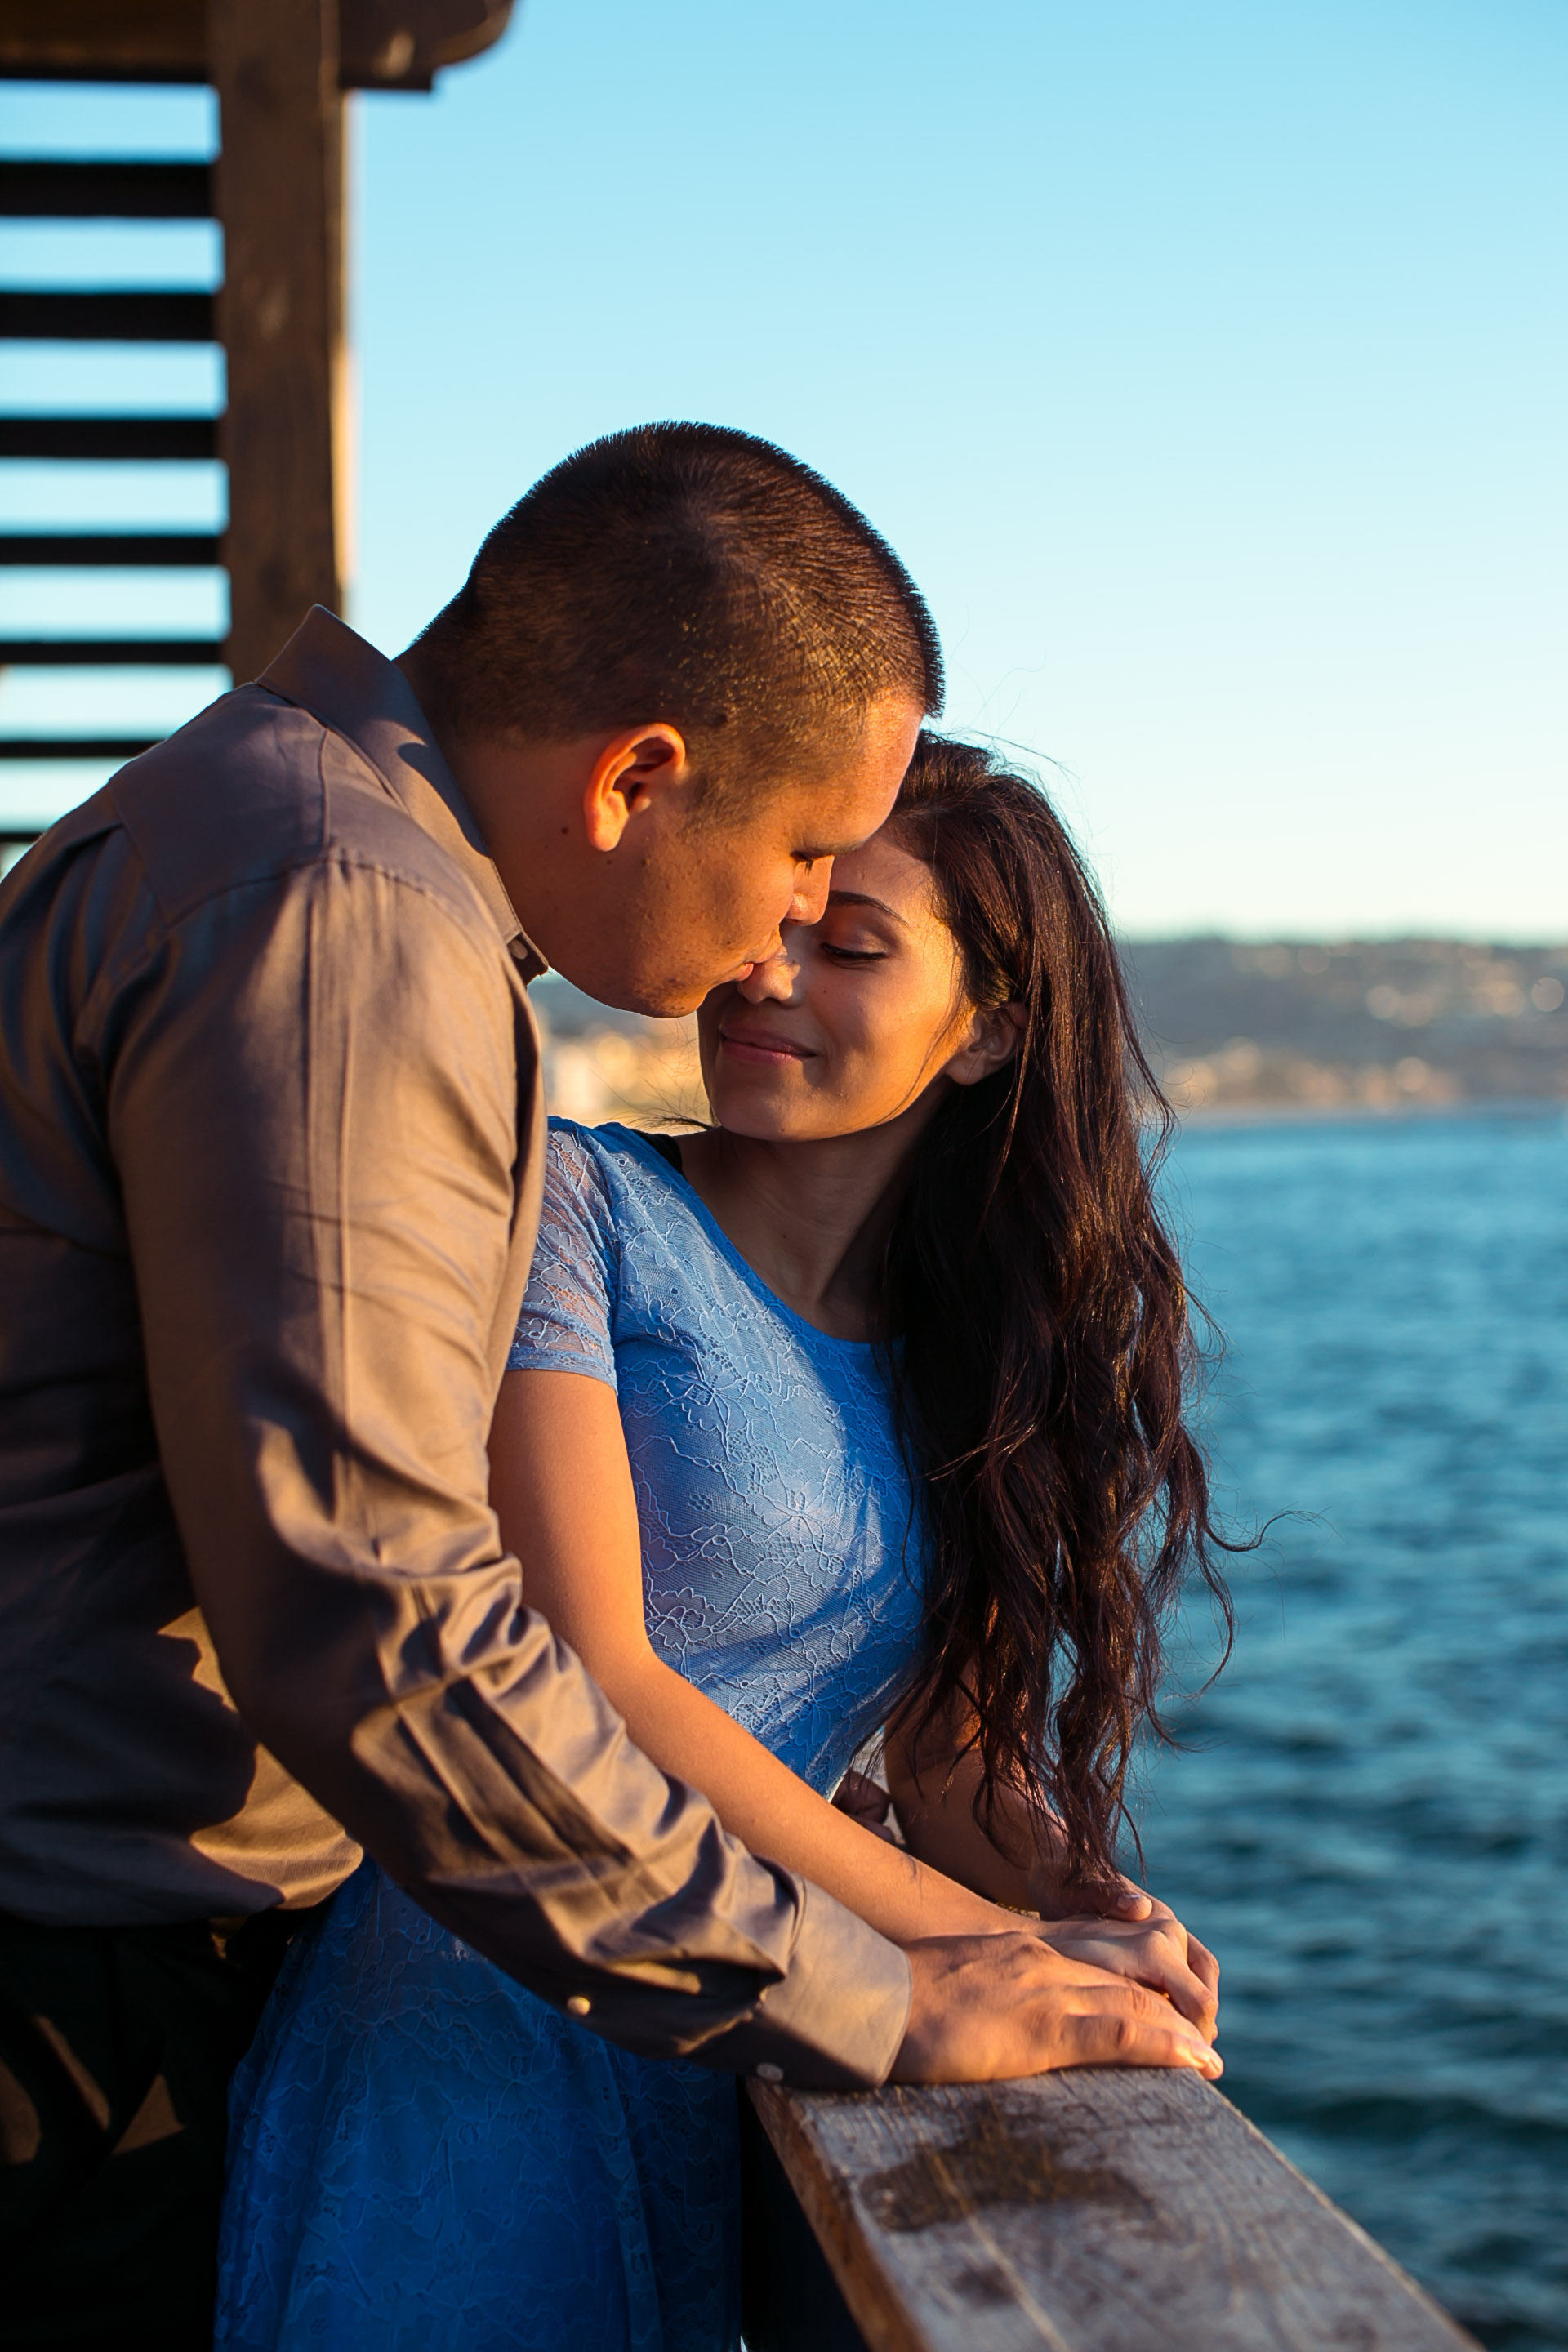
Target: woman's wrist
x,y
951,1909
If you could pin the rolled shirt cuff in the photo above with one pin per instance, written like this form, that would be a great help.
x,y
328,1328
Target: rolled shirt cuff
x,y
836,2021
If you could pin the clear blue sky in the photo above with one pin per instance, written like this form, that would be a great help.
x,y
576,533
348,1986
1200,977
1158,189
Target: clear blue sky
x,y
1204,361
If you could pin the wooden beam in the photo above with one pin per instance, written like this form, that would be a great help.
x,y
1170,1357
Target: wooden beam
x,y
1089,2211
278,181
385,44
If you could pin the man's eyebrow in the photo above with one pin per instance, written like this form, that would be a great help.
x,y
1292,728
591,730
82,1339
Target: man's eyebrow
x,y
863,898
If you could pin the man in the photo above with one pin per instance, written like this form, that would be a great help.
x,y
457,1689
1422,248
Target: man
x,y
270,1147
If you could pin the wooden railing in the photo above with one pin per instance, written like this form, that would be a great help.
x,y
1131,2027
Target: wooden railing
x,y
1089,2211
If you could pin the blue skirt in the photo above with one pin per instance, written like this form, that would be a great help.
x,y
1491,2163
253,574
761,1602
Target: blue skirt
x,y
421,2154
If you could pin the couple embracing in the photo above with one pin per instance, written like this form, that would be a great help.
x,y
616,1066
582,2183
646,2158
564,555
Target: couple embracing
x,y
450,1566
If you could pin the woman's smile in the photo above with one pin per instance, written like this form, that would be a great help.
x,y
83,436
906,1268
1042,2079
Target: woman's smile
x,y
762,1046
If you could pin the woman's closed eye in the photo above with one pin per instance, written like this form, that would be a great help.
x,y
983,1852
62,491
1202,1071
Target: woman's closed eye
x,y
853,955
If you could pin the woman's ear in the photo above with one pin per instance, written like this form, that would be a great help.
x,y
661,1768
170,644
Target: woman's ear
x,y
993,1040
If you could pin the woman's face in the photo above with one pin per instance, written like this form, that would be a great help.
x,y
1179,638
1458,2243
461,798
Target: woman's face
x,y
847,1027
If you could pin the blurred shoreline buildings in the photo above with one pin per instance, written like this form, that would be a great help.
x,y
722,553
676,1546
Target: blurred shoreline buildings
x,y
1234,1028
1334,1025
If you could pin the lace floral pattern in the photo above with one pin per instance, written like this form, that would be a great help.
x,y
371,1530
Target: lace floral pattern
x,y
781,1557
425,2155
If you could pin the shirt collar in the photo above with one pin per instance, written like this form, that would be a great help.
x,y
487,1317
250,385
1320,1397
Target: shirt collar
x,y
346,683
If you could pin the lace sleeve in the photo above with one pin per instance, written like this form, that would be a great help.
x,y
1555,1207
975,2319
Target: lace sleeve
x,y
565,1323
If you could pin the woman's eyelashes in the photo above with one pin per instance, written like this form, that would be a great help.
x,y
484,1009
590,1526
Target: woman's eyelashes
x,y
853,955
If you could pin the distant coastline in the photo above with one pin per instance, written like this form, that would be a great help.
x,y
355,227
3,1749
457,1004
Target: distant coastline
x,y
1237,1032
1374,1027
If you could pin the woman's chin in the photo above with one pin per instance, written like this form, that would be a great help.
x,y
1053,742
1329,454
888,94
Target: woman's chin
x,y
757,1122
755,1106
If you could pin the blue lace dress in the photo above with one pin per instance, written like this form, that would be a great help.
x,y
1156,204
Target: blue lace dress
x,y
424,2153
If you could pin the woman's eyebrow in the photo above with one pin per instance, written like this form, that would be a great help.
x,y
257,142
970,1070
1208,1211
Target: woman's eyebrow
x,y
863,898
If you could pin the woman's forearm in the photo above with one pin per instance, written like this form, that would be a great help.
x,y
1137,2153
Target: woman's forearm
x,y
1011,1854
936,1811
771,1809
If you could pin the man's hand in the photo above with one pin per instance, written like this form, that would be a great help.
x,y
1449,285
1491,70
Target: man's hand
x,y
987,2008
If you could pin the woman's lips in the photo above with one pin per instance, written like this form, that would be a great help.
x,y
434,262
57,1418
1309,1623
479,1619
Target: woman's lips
x,y
767,1052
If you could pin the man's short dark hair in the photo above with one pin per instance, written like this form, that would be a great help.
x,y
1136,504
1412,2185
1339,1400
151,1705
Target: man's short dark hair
x,y
685,572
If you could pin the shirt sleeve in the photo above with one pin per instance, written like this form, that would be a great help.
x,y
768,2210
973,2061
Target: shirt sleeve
x,y
568,1317
313,1087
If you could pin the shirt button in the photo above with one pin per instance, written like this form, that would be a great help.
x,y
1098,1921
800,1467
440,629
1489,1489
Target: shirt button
x,y
768,2072
579,2005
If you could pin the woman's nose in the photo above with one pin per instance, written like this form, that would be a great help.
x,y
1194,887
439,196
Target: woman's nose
x,y
771,981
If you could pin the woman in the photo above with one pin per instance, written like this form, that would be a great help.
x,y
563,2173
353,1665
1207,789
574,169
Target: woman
x,y
860,1408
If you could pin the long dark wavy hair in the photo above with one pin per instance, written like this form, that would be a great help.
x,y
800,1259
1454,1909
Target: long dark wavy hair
x,y
1043,1346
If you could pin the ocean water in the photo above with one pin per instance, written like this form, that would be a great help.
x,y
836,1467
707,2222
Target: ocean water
x,y
1371,1822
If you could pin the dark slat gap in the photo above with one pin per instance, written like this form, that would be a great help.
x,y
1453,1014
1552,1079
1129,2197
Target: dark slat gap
x,y
148,317
108,437
108,653
70,747
90,191
131,549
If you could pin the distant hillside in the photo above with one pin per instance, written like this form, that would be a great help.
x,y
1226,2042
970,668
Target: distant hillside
x,y
1373,1021
1314,1025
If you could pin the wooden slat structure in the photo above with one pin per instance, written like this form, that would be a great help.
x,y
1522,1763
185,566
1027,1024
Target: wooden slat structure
x,y
1096,2210
281,69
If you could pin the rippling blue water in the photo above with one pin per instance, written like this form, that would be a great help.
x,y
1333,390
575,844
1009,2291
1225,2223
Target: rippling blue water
x,y
1372,1827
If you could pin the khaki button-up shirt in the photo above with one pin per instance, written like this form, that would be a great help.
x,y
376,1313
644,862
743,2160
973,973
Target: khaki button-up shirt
x,y
271,1144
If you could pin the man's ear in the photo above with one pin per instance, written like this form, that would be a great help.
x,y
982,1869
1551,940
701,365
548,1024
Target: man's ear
x,y
994,1038
637,766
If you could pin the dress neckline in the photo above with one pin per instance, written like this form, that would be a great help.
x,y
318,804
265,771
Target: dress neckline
x,y
664,1152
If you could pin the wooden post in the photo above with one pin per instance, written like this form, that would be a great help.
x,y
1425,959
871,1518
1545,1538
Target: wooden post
x,y
278,181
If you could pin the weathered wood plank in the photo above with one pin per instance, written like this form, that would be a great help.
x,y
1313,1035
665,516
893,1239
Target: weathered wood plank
x,y
1096,2211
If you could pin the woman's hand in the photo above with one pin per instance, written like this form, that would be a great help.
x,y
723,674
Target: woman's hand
x,y
1154,1951
1019,1861
865,1802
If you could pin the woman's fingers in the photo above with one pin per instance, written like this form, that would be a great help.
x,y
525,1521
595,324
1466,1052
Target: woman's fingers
x,y
1132,1903
1145,1909
1107,1898
865,1802
1154,1955
1204,1963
